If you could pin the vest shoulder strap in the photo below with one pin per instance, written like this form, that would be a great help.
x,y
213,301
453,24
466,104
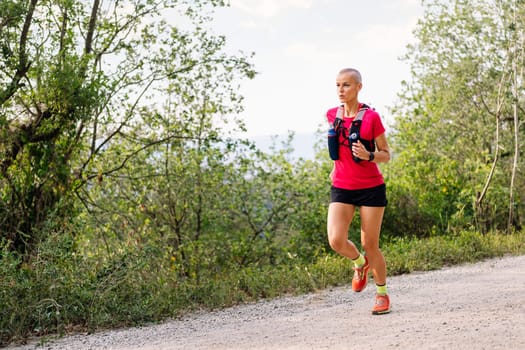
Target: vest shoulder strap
x,y
359,116
361,113
340,112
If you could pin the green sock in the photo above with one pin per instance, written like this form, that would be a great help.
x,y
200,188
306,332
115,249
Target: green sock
x,y
381,290
359,261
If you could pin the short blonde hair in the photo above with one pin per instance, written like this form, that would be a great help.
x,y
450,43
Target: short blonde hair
x,y
354,72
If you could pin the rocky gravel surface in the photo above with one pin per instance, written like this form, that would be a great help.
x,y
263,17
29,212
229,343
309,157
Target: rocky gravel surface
x,y
473,306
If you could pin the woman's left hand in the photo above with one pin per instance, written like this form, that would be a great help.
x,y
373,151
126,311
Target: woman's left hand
x,y
359,151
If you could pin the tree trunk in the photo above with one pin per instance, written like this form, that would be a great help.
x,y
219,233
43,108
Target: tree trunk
x,y
517,77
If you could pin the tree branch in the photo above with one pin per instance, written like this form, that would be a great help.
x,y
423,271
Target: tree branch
x,y
23,65
88,48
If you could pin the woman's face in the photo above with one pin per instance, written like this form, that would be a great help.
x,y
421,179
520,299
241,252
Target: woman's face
x,y
347,87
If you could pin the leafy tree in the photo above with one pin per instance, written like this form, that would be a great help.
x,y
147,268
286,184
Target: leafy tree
x,y
79,77
167,195
264,196
456,124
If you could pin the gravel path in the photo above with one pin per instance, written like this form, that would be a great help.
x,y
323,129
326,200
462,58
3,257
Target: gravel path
x,y
474,306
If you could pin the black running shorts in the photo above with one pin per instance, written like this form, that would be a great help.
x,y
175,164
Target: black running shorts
x,y
368,197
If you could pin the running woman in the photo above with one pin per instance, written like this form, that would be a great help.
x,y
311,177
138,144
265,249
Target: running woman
x,y
358,183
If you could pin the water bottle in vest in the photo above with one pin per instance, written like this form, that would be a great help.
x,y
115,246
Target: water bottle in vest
x,y
333,143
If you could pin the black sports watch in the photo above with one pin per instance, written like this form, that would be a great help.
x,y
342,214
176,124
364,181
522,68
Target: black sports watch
x,y
371,156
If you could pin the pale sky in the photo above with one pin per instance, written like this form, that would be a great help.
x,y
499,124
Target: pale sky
x,y
300,45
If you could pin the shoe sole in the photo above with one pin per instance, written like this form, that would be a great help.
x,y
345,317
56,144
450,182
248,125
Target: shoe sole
x,y
381,312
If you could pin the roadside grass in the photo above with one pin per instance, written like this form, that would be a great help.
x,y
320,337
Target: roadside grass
x,y
403,255
62,293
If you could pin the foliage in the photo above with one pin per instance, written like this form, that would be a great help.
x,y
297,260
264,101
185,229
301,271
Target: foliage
x,y
457,127
80,77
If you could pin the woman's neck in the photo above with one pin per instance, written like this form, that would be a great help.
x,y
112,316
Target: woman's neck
x,y
351,108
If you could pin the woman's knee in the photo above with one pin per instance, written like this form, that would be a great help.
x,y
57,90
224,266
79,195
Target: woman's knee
x,y
336,242
370,246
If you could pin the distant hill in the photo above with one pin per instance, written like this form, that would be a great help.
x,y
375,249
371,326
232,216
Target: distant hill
x,y
303,143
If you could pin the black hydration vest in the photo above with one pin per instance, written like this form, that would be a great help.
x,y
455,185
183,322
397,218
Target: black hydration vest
x,y
353,134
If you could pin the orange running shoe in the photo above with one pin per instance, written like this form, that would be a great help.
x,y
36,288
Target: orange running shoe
x,y
382,305
360,277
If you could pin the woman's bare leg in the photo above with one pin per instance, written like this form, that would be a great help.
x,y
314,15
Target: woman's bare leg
x,y
371,219
338,222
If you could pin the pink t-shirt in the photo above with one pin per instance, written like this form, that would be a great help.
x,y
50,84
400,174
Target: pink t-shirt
x,y
349,174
